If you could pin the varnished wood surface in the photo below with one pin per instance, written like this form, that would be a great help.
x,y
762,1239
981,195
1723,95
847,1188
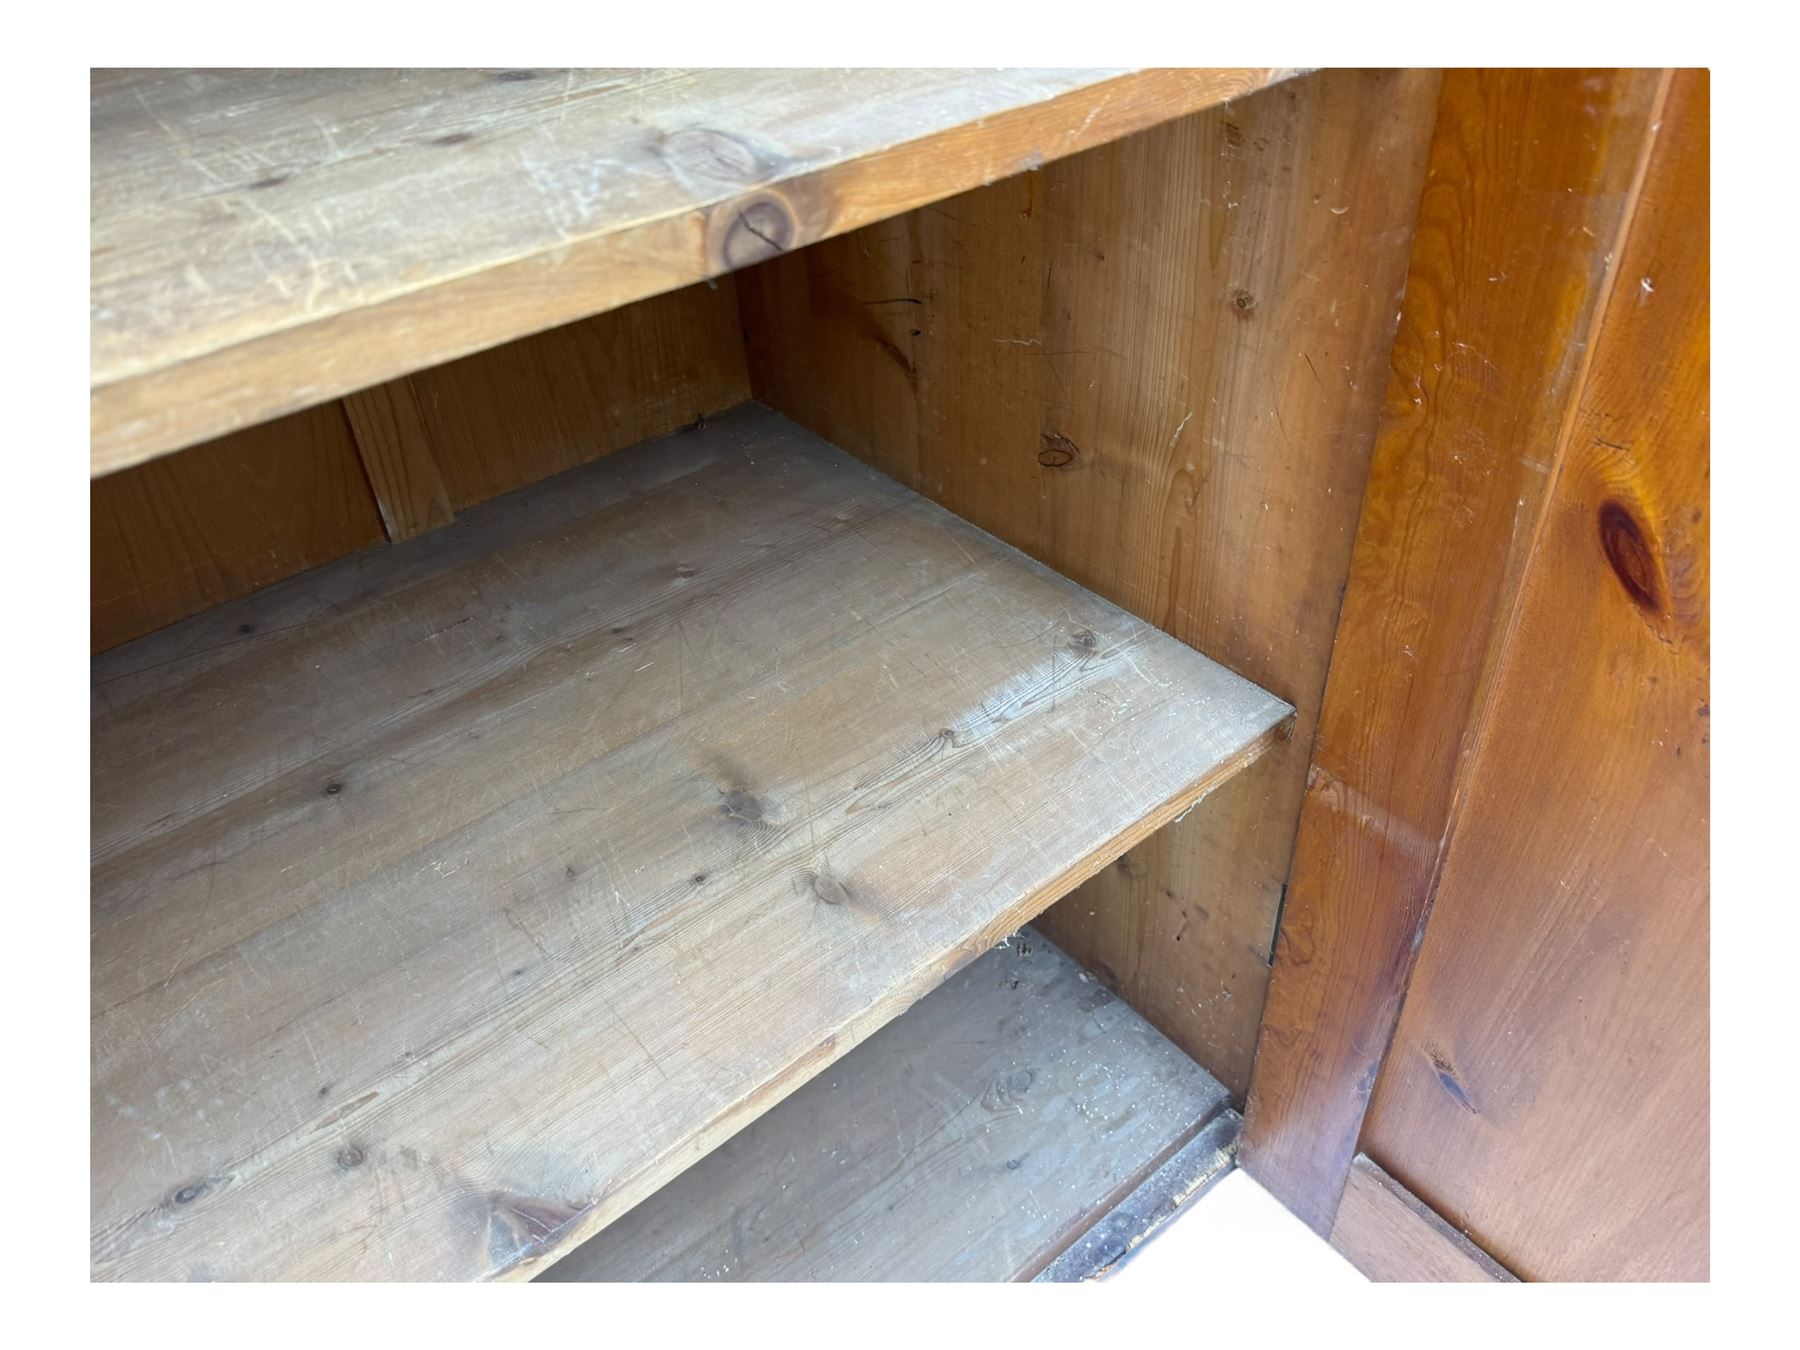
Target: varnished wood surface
x,y
1156,367
181,535
264,240
1548,1086
450,899
972,1138
1531,178
1392,1236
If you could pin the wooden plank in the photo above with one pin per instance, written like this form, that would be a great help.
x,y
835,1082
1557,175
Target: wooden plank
x,y
264,240
1112,1242
970,1139
170,539
481,887
1156,367
1392,1236
397,455
1548,1083
544,404
1531,178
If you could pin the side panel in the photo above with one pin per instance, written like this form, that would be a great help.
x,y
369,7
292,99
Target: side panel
x,y
1531,183
1547,1088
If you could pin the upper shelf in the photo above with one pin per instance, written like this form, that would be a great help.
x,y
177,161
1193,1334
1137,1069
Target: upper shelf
x,y
265,240
449,899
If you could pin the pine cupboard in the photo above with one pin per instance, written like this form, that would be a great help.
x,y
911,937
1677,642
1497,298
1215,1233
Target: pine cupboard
x,y
799,675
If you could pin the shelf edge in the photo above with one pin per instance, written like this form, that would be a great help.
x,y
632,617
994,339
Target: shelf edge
x,y
159,410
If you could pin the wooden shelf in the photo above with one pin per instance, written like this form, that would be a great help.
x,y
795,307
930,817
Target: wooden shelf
x,y
450,899
265,240
976,1137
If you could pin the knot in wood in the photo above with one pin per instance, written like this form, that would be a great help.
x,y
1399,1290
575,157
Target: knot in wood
x,y
756,231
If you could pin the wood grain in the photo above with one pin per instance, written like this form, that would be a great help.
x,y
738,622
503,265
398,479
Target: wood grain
x,y
265,240
1531,178
1548,1084
1156,367
972,1138
1392,1236
220,520
172,538
449,900
397,454
536,407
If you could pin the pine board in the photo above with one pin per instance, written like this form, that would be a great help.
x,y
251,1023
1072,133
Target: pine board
x,y
972,1138
449,899
263,240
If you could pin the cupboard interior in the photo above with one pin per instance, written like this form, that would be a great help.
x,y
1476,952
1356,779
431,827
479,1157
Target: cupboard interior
x,y
1155,368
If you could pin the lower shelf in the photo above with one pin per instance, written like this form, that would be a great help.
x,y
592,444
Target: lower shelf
x,y
449,900
1000,1130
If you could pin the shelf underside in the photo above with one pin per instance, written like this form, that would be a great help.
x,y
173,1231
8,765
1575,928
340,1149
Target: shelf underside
x,y
976,1137
265,240
450,899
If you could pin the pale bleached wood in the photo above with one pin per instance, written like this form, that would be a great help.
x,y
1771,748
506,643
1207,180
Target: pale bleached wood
x,y
265,240
480,887
1391,1235
969,1139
